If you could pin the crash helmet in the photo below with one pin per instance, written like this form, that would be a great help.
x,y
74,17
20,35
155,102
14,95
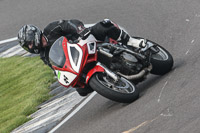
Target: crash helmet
x,y
29,37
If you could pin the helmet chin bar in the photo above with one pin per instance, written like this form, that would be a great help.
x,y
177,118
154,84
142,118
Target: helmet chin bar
x,y
34,50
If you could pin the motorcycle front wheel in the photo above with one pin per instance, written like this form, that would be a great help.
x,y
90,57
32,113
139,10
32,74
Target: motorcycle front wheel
x,y
120,91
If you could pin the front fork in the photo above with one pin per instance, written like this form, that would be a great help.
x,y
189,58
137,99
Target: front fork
x,y
110,73
101,68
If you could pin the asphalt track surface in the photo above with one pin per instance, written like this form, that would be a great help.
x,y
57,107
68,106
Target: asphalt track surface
x,y
167,104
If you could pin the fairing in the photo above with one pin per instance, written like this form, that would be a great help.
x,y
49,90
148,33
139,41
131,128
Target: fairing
x,y
68,59
56,54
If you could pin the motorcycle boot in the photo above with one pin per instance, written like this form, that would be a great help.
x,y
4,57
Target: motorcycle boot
x,y
84,91
130,41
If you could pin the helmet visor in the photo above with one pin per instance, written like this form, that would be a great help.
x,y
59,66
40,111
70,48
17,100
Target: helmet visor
x,y
30,36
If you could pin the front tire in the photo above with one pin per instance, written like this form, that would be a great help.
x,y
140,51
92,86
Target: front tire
x,y
121,91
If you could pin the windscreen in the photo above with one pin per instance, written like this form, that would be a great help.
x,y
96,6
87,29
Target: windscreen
x,y
56,54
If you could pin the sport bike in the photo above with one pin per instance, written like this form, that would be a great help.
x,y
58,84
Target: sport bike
x,y
109,68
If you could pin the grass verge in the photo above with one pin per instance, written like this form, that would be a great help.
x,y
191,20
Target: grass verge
x,y
24,83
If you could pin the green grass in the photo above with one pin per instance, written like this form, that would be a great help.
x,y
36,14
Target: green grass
x,y
24,83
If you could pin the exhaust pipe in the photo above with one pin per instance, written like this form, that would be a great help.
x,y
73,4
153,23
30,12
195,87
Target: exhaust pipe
x,y
137,76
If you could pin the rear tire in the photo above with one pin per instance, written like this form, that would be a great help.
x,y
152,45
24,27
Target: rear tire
x,y
123,91
162,61
160,67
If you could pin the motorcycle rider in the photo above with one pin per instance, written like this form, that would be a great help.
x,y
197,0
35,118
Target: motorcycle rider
x,y
35,41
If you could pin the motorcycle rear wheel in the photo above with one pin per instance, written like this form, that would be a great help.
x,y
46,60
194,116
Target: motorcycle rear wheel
x,y
121,91
162,61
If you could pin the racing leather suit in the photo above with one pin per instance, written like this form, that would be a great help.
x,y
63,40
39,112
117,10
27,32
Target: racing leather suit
x,y
71,29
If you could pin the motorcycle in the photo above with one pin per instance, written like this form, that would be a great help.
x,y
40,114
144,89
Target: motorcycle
x,y
109,68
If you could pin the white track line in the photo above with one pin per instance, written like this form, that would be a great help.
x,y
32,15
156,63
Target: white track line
x,y
8,40
74,112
